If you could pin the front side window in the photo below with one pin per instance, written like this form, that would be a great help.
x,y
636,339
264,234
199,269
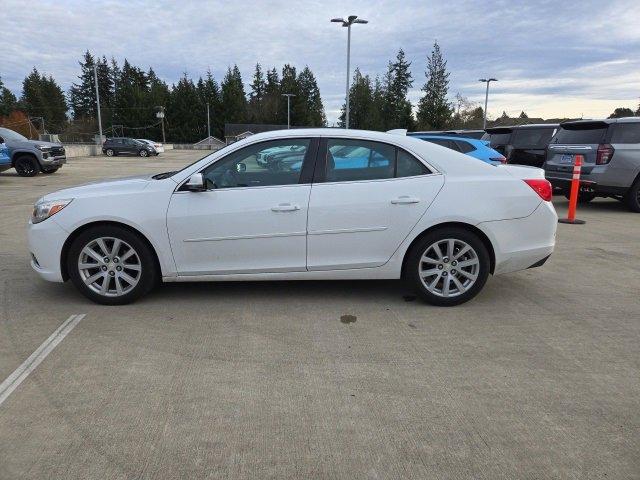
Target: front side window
x,y
277,162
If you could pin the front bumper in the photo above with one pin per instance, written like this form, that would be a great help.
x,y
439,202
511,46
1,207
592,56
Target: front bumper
x,y
54,161
46,240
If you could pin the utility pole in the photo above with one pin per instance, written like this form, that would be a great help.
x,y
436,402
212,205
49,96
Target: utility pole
x,y
95,79
160,115
208,122
486,99
288,95
351,19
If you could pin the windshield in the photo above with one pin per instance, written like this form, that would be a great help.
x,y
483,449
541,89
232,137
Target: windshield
x,y
11,135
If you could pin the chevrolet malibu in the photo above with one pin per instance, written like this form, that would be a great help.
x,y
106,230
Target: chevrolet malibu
x,y
348,205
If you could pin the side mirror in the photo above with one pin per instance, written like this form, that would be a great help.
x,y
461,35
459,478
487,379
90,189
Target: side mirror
x,y
196,183
241,167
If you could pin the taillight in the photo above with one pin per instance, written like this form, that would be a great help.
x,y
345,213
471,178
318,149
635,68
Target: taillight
x,y
542,187
604,154
500,159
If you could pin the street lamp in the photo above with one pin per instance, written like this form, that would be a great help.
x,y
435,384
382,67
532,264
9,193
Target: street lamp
x,y
486,99
288,95
351,19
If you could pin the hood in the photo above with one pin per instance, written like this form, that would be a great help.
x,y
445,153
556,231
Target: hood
x,y
30,143
113,186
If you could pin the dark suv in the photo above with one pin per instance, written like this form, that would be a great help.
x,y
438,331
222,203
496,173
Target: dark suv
x,y
611,166
127,146
522,144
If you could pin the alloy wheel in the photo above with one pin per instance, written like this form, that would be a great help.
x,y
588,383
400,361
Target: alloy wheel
x,y
109,266
25,168
449,267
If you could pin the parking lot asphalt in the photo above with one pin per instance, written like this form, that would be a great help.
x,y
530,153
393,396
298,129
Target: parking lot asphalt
x,y
538,377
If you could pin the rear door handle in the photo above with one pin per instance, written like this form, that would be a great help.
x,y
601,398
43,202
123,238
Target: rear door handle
x,y
285,207
404,200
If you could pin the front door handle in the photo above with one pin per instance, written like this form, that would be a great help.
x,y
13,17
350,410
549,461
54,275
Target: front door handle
x,y
285,207
404,200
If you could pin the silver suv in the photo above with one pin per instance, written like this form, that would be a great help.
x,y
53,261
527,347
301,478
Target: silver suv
x,y
611,167
29,157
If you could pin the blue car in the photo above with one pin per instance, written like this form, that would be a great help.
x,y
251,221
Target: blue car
x,y
479,149
5,159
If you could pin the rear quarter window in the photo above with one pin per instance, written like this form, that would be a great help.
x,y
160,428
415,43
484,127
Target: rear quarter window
x,y
626,133
465,147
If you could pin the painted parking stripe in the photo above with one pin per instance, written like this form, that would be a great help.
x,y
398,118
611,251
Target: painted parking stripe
x,y
30,364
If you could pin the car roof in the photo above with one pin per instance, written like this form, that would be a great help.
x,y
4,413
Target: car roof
x,y
511,128
603,122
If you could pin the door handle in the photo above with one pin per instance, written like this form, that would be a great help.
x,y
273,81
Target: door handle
x,y
285,207
404,200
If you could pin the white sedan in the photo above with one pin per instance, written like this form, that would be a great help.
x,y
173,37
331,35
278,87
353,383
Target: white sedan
x,y
159,148
345,204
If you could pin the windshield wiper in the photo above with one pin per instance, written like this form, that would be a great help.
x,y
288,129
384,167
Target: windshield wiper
x,y
162,176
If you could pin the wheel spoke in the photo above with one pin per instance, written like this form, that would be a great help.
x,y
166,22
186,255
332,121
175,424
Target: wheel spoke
x,y
93,254
94,277
436,248
459,286
430,272
105,284
451,243
103,246
434,282
426,259
85,266
130,252
131,266
470,276
462,251
119,289
116,247
445,286
467,263
127,278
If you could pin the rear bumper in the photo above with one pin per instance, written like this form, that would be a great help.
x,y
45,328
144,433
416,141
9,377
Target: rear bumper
x,y
589,184
522,242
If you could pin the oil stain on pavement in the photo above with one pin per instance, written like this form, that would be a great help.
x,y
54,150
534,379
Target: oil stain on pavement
x,y
348,318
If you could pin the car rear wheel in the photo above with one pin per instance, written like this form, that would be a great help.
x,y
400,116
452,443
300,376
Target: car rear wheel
x,y
448,266
143,153
27,166
633,197
109,152
111,265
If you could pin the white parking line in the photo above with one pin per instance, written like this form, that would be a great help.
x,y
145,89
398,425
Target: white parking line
x,y
30,364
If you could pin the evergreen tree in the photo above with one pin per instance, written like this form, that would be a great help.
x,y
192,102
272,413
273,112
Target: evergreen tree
x,y
183,122
234,101
209,93
360,103
82,98
8,101
523,115
398,81
376,120
42,97
256,96
312,114
289,84
271,101
434,110
621,112
130,106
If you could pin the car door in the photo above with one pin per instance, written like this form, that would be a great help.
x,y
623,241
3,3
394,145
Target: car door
x,y
366,198
251,219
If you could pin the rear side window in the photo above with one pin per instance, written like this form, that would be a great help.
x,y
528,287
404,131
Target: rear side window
x,y
442,142
626,133
353,160
580,136
465,147
532,137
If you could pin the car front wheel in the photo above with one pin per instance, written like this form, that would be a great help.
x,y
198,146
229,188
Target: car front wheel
x,y
111,265
633,197
448,266
109,152
27,166
143,153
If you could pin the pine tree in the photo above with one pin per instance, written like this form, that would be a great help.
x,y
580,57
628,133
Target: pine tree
x,y
434,110
234,101
271,101
183,124
398,81
523,115
360,103
256,96
42,97
311,102
209,93
82,97
8,101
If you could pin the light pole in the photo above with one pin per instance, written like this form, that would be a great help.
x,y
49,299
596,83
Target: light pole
x,y
288,95
486,99
351,19
208,122
160,115
95,79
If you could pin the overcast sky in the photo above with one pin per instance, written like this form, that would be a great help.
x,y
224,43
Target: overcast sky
x,y
552,58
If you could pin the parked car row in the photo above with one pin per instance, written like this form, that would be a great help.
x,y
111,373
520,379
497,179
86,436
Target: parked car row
x,y
131,146
610,149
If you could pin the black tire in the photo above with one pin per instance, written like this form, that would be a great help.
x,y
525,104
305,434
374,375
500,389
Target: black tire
x,y
413,263
148,274
583,197
50,170
27,166
109,152
632,197
143,153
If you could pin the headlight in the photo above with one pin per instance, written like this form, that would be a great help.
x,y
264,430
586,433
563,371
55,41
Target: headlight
x,y
43,147
45,209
